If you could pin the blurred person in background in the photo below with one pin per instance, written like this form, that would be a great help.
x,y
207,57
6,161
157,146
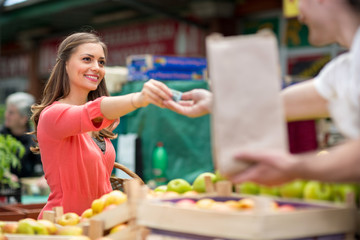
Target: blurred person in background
x,y
334,93
17,124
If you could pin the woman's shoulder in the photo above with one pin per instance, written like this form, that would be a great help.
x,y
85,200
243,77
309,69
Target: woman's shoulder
x,y
55,108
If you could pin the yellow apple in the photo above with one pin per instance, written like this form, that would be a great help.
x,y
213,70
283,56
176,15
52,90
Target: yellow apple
x,y
221,206
69,218
88,213
115,197
246,203
98,205
118,228
50,226
190,193
70,230
232,204
205,203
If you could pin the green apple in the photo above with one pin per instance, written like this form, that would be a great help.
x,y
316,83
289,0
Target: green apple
x,y
294,189
219,177
161,188
248,188
269,191
178,185
40,229
26,226
318,191
199,183
341,190
50,226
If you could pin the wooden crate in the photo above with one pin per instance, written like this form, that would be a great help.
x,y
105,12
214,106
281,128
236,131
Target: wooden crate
x,y
30,210
100,224
37,237
7,214
309,220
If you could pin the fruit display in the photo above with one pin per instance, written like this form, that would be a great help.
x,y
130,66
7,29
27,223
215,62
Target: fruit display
x,y
305,190
110,212
244,217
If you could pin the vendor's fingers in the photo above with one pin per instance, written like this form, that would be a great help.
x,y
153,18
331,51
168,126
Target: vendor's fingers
x,y
256,157
174,106
249,175
187,95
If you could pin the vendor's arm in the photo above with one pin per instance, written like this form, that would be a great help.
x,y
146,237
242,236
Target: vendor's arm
x,y
276,167
303,102
154,92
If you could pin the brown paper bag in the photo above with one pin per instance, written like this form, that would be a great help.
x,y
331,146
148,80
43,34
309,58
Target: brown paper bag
x,y
247,111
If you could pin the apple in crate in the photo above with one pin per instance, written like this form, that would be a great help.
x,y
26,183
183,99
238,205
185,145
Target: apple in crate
x,y
179,185
248,188
115,197
161,188
315,190
342,190
9,227
70,230
88,213
69,218
199,182
118,228
98,205
26,226
294,189
50,226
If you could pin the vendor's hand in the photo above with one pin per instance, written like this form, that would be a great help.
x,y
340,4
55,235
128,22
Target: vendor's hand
x,y
154,92
268,167
195,103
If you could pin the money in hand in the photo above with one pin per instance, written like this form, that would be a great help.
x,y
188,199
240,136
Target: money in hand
x,y
176,95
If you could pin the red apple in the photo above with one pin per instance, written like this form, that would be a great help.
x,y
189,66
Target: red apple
x,y
10,227
185,203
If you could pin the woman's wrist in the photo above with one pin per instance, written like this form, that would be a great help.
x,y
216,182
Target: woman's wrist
x,y
133,100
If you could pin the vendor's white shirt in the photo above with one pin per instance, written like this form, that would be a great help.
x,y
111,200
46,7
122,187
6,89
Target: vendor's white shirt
x,y
339,83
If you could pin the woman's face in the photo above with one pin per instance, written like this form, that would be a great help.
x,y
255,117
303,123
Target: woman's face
x,y
85,68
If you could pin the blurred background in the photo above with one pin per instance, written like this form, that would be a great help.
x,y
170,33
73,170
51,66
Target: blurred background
x,y
30,31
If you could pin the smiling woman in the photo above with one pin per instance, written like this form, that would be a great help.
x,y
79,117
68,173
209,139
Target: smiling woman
x,y
74,123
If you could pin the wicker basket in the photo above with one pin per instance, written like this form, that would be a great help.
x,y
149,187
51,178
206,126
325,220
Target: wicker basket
x,y
118,183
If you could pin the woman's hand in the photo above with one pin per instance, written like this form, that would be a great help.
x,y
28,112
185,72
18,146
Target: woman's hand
x,y
195,103
154,92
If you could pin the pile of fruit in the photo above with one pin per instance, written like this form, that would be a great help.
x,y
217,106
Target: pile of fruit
x,y
38,227
182,187
299,189
68,223
243,204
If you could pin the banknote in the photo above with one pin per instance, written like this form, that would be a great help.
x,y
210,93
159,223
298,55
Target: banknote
x,y
176,95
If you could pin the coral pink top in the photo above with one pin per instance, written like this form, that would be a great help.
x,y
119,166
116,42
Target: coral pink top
x,y
75,168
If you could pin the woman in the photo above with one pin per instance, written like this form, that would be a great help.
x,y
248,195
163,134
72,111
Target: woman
x,y
74,120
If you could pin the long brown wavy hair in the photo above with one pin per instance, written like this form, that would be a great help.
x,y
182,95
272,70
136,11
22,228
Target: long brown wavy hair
x,y
58,86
